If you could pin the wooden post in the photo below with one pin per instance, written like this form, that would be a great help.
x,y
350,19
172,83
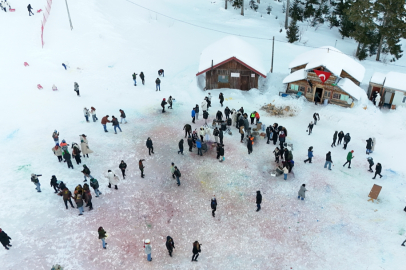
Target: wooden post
x,y
226,3
287,14
273,42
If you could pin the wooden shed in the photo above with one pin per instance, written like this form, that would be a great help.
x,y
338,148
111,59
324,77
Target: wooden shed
x,y
391,87
328,74
231,63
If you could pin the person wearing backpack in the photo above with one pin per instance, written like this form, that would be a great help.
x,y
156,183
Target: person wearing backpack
x,y
102,236
95,185
170,245
213,205
122,167
177,175
54,183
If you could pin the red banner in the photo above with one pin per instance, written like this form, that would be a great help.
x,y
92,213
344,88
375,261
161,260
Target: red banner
x,y
322,75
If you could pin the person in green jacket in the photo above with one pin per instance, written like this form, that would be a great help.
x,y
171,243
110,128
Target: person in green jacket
x,y
252,116
102,236
349,157
135,78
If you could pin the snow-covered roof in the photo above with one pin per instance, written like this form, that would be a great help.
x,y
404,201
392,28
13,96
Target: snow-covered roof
x,y
378,78
228,48
396,80
332,59
351,88
295,76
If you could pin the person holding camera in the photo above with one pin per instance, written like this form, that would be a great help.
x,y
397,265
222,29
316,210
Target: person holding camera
x,y
35,180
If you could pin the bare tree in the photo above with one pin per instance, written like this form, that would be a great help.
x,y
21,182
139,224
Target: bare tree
x,y
226,4
287,14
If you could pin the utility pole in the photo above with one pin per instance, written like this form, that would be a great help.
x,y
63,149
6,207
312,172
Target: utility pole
x,y
287,14
273,42
70,21
226,3
242,8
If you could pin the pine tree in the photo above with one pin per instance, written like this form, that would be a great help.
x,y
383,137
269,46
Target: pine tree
x,y
390,15
253,5
269,9
296,11
283,7
318,16
237,4
309,9
292,33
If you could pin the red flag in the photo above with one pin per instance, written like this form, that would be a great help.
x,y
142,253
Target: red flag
x,y
322,75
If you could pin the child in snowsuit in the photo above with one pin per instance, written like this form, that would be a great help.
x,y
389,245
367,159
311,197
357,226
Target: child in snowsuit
x,y
301,193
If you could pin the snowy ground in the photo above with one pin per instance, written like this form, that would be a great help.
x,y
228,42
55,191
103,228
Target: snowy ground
x,y
334,228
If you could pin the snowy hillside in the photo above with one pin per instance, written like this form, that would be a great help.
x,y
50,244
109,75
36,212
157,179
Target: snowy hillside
x,y
335,227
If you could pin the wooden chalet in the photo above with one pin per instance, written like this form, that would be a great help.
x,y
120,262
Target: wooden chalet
x,y
341,87
231,63
391,87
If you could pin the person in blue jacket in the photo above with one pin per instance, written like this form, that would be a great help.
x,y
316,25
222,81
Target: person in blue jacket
x,y
199,147
309,155
193,115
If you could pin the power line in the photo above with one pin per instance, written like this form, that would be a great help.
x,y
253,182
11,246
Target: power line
x,y
259,38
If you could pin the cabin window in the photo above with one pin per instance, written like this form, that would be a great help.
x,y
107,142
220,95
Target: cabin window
x,y
327,94
309,90
404,100
223,79
302,89
344,97
294,87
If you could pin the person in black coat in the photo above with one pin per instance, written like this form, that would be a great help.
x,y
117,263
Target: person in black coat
x,y
276,152
369,146
196,250
142,77
213,205
221,136
221,152
227,112
268,133
334,139
54,183
221,97
5,239
259,200
219,115
249,144
275,133
122,167
316,117
190,143
371,163
241,121
310,127
62,186
163,103
29,10
347,139
180,147
170,245
340,137
378,169
188,129
67,157
150,146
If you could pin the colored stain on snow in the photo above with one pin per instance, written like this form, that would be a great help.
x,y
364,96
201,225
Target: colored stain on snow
x,y
12,134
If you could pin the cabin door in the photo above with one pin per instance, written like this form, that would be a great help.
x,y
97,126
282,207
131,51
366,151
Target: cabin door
x,y
244,82
318,95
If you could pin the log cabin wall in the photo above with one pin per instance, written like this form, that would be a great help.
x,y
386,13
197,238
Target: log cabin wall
x,y
220,77
297,68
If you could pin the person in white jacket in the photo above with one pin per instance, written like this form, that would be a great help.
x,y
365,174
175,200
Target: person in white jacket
x,y
202,132
93,114
204,105
113,179
207,132
148,249
285,173
86,114
84,145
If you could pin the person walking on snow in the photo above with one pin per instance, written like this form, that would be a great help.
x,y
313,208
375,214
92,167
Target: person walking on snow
x,y
95,185
199,147
196,250
349,158
55,136
170,245
328,161
371,163
177,175
79,204
122,116
102,236
216,134
57,151
219,115
188,129
104,122
369,146
256,118
204,105
93,114
227,112
190,143
221,153
310,127
334,139
197,112
170,101
347,139
84,145
193,114
340,137
316,118
113,179
5,239
115,124
285,172
141,166
149,145
173,170
122,167
259,200
158,84
148,249
276,153
67,157
29,10
221,136
76,153
88,196
213,205
66,196
163,103
268,134
378,169
86,114
135,78
309,155
142,78
250,142
161,72
301,193
180,147
54,183
86,172
76,88
221,97
35,180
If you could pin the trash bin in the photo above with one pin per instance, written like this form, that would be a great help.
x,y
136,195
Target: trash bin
x,y
325,101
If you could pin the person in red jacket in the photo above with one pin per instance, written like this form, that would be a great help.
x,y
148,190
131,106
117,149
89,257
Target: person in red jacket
x,y
256,117
104,122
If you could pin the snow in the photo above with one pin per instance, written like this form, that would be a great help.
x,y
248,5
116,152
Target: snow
x,y
334,228
396,80
331,58
378,78
232,46
351,88
295,76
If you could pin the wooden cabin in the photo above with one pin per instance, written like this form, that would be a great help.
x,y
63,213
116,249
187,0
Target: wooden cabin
x,y
231,63
391,87
341,88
